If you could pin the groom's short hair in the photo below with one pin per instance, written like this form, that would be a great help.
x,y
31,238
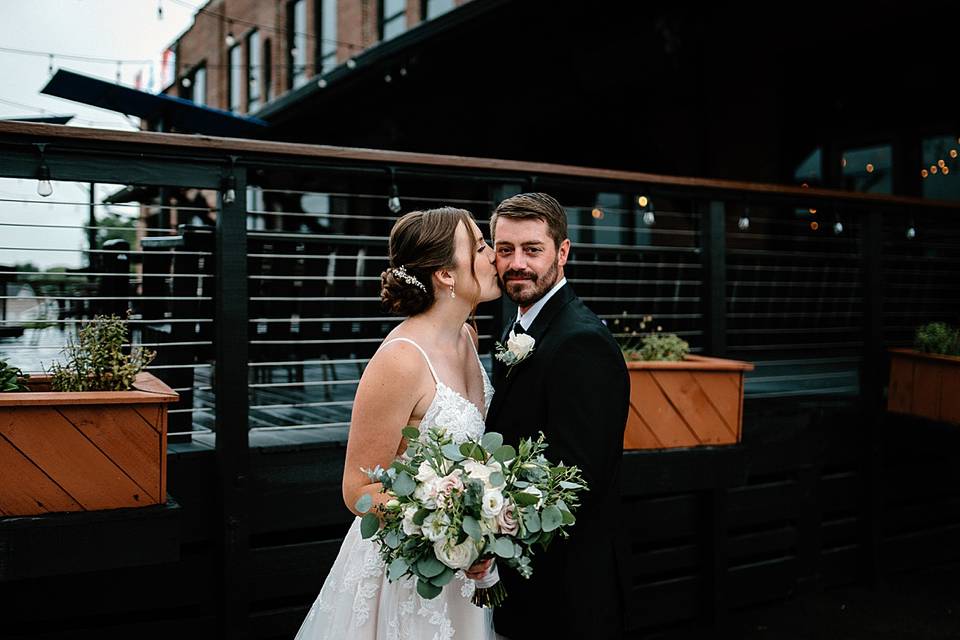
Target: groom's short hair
x,y
533,205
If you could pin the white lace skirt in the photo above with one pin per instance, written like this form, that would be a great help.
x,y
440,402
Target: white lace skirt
x,y
358,602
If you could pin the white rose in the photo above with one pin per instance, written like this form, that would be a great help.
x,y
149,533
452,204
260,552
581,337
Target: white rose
x,y
520,345
492,503
476,470
425,473
459,556
435,526
532,490
426,493
409,526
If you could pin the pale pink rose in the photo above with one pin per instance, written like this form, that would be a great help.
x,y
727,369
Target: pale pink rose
x,y
447,485
507,519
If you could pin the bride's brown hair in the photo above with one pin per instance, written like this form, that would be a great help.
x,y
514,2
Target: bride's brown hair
x,y
421,242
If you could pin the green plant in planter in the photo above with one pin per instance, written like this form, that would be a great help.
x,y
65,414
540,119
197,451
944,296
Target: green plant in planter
x,y
654,345
11,378
96,360
938,337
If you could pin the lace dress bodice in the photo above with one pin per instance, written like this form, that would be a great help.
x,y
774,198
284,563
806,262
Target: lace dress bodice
x,y
449,409
357,600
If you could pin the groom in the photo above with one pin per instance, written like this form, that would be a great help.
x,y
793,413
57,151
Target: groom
x,y
574,387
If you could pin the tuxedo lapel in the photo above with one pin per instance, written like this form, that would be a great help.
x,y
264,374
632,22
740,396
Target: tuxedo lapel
x,y
554,306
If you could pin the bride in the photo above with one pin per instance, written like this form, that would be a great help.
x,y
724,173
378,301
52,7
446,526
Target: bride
x,y
425,373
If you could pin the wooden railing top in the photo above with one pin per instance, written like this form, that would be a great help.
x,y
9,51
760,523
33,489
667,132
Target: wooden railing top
x,y
247,149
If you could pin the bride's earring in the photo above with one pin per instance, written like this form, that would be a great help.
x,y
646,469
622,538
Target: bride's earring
x,y
453,294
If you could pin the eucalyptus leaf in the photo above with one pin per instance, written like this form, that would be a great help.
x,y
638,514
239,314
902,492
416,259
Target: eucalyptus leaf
x,y
551,519
392,539
420,516
497,479
430,566
444,578
397,568
567,517
411,433
473,450
504,453
472,527
564,484
503,548
452,452
525,499
364,503
531,520
404,484
491,441
369,525
426,590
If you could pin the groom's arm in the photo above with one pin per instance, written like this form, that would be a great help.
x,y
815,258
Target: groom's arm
x,y
587,392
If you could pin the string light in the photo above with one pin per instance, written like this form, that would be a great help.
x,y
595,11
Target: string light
x,y
911,230
869,168
44,187
230,40
744,222
393,201
597,214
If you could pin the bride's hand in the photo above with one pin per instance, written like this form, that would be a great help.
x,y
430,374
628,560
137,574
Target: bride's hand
x,y
479,569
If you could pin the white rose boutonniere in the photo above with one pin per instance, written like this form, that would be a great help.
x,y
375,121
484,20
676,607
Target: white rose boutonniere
x,y
519,347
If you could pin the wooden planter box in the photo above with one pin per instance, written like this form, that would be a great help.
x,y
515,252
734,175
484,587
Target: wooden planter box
x,y
83,451
695,402
925,385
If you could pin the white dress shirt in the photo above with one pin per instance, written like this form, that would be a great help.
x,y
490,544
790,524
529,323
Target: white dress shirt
x,y
526,319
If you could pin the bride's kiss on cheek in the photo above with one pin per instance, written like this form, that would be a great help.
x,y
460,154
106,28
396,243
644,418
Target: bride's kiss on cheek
x,y
558,375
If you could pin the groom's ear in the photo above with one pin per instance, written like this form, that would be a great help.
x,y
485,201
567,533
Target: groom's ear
x,y
563,253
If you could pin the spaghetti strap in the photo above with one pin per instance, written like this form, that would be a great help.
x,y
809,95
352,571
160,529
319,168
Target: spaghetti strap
x,y
422,352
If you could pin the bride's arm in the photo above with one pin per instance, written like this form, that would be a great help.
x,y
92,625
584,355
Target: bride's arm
x,y
389,390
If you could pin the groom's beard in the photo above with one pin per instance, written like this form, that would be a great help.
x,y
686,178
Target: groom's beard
x,y
526,292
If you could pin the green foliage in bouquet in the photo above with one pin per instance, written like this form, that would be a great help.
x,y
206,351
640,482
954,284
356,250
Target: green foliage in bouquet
x,y
96,360
451,505
11,378
938,337
654,345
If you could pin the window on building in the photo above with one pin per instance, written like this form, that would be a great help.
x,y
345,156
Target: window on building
x,y
939,170
327,29
193,86
868,169
253,70
297,43
433,8
810,171
393,18
267,70
235,77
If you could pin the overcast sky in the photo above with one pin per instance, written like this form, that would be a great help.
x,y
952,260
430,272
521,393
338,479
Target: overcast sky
x,y
112,29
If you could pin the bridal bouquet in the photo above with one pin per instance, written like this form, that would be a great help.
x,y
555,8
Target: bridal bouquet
x,y
451,505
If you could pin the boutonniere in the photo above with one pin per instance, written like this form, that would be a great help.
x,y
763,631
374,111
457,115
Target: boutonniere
x,y
519,347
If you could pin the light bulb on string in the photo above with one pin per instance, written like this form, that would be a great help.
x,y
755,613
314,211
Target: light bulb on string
x,y
229,183
351,63
911,232
230,40
186,82
837,226
648,218
159,9
44,186
744,222
393,202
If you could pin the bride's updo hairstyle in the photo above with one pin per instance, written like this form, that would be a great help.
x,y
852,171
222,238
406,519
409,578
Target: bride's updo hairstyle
x,y
421,242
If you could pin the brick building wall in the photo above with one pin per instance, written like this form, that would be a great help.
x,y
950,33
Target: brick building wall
x,y
204,43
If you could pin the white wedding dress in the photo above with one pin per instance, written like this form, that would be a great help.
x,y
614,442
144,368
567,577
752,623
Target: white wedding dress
x,y
358,602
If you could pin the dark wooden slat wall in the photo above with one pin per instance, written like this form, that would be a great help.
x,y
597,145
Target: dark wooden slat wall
x,y
791,511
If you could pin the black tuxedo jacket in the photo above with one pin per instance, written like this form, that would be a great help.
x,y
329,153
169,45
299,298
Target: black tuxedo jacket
x,y
575,388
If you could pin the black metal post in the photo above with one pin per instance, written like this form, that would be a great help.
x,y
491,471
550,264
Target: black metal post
x,y
871,395
230,386
714,263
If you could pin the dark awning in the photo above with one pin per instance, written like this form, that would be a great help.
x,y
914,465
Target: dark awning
x,y
170,113
43,119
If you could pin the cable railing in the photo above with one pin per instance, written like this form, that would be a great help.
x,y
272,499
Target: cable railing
x,y
786,278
